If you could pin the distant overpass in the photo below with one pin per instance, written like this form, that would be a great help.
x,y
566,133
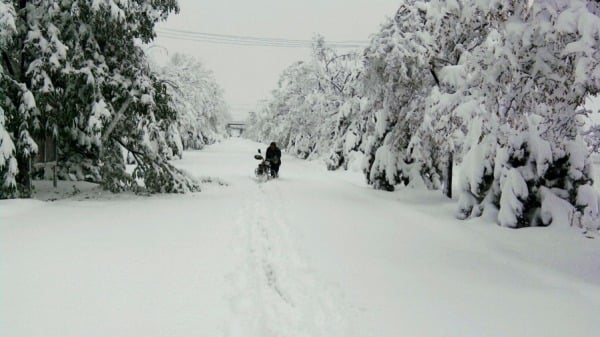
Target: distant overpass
x,y
236,128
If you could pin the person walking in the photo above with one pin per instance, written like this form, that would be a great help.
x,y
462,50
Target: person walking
x,y
273,156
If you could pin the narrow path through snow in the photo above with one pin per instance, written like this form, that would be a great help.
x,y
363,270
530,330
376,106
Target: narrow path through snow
x,y
275,293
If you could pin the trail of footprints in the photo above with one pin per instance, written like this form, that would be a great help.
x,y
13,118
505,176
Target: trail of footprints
x,y
273,291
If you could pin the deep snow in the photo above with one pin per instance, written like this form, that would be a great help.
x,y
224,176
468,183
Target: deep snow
x,y
314,253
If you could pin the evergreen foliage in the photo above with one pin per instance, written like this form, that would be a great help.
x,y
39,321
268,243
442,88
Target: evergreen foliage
x,y
74,73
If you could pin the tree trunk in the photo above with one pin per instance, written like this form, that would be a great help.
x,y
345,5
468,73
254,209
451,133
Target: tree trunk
x,y
24,176
54,172
448,183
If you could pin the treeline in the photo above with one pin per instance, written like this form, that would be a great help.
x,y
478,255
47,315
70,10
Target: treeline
x,y
76,88
493,86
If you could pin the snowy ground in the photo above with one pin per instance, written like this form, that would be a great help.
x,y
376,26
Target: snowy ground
x,y
314,253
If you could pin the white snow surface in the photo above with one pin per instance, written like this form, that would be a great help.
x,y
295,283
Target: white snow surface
x,y
314,253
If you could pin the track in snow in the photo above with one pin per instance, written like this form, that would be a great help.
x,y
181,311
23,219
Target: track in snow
x,y
316,253
274,292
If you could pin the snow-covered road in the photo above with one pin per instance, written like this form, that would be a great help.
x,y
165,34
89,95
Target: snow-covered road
x,y
314,253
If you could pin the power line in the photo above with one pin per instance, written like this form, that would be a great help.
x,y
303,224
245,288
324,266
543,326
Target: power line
x,y
254,38
230,42
257,44
238,40
249,42
233,37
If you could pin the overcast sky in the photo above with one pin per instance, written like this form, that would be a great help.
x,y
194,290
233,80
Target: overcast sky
x,y
248,74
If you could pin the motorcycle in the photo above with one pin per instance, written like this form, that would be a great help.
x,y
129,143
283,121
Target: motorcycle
x,y
263,172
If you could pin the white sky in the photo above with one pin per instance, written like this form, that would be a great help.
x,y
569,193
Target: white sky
x,y
248,74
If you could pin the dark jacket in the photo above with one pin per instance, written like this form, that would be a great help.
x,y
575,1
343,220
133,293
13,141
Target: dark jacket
x,y
273,155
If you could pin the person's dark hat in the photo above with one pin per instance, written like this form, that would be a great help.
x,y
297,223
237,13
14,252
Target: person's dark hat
x,y
273,144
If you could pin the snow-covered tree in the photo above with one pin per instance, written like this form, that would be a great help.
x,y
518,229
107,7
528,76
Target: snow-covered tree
x,y
496,85
350,126
302,115
198,99
413,68
337,75
397,79
75,72
8,161
524,152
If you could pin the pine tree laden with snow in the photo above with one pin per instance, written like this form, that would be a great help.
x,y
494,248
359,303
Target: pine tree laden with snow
x,y
83,79
8,160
